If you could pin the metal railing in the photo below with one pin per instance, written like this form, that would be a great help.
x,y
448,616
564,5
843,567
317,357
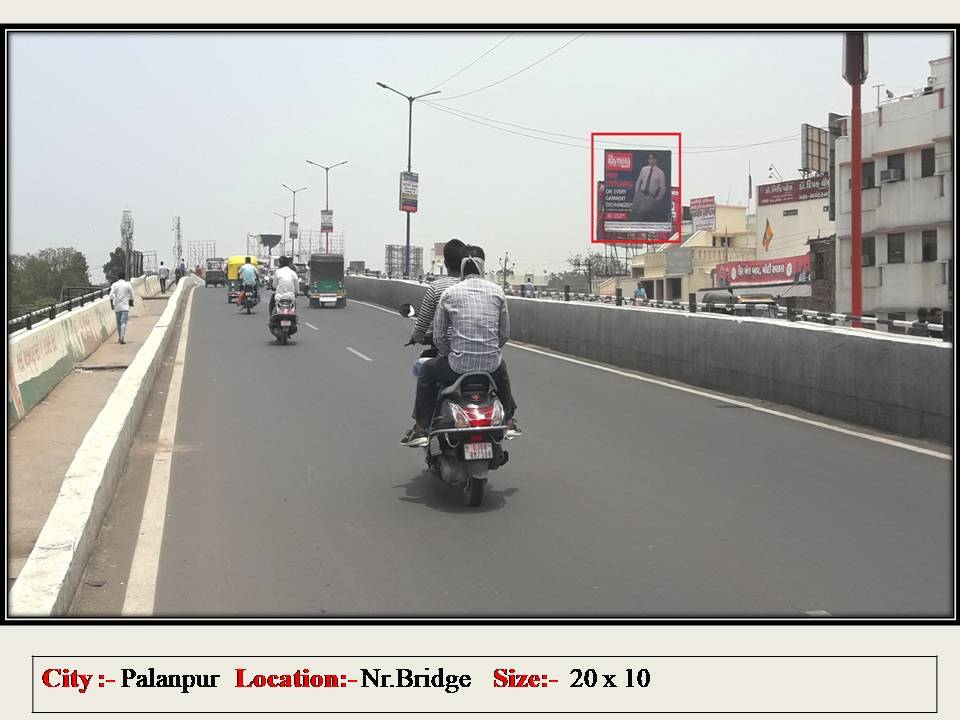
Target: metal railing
x,y
50,312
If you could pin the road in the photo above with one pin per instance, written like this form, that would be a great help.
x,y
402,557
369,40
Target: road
x,y
290,495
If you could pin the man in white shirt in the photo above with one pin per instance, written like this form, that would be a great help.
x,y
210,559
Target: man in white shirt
x,y
648,192
286,282
163,274
121,300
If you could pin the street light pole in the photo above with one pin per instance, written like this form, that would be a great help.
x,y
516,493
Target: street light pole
x,y
294,216
283,231
410,99
326,184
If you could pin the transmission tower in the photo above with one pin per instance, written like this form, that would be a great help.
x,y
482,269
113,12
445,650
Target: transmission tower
x,y
177,241
126,241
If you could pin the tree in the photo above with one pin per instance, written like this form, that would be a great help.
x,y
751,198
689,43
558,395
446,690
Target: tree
x,y
36,279
115,265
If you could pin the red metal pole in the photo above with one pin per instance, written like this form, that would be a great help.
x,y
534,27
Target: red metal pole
x,y
856,216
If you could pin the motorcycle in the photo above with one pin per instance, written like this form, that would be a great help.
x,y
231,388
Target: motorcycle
x,y
248,299
466,435
283,320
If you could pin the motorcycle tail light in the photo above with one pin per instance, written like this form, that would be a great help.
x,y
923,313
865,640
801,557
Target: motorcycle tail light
x,y
460,417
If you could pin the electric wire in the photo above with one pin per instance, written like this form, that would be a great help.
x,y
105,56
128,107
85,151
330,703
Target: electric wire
x,y
443,82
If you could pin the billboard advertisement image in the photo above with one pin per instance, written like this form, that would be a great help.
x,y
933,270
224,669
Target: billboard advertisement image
x,y
703,213
637,197
763,272
409,189
326,221
294,230
793,191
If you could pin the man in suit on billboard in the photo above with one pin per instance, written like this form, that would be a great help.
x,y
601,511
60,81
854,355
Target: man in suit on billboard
x,y
648,192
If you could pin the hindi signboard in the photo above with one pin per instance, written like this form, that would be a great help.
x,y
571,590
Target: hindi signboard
x,y
763,272
326,221
703,213
409,191
793,191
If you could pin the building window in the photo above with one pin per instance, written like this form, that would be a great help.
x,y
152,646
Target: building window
x,y
895,162
927,162
869,252
869,179
894,248
788,213
722,241
929,243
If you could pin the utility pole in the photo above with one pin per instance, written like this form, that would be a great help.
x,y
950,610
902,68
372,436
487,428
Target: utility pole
x,y
410,99
504,269
177,241
126,237
294,216
855,72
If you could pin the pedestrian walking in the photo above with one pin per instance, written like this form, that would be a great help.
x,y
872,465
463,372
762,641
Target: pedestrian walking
x,y
639,293
121,300
164,274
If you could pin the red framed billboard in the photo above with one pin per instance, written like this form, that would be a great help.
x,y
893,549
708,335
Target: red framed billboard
x,y
638,200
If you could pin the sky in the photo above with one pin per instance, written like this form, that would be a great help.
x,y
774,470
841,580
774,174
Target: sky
x,y
208,126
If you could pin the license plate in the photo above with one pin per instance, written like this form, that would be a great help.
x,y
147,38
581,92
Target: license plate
x,y
284,323
478,451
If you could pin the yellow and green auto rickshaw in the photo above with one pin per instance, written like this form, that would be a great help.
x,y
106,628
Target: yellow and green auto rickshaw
x,y
234,263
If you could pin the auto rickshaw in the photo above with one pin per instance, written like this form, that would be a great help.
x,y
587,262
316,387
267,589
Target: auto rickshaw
x,y
215,273
234,263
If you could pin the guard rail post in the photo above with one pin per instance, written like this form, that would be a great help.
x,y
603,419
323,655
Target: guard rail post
x,y
53,312
566,293
692,302
619,297
791,303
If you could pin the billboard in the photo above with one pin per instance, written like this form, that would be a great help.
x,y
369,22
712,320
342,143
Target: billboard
x,y
269,241
703,213
409,190
763,272
637,191
814,149
793,191
326,221
294,231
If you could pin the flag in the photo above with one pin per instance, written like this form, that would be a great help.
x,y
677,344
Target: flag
x,y
767,236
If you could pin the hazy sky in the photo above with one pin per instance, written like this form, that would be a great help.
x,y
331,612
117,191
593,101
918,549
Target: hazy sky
x,y
207,127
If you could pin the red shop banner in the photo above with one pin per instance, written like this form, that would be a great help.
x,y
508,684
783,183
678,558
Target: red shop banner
x,y
763,272
793,191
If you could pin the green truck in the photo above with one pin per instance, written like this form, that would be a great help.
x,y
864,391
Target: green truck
x,y
326,281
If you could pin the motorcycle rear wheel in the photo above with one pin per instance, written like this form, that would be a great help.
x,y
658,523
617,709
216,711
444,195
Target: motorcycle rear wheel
x,y
473,491
284,335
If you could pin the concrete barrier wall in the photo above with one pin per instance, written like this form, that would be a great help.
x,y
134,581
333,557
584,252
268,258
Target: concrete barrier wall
x,y
42,356
51,574
897,384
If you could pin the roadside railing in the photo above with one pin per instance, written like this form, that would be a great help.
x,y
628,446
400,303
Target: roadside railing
x,y
50,312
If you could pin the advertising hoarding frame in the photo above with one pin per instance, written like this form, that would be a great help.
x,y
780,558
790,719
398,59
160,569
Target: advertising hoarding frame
x,y
411,206
326,221
678,211
699,215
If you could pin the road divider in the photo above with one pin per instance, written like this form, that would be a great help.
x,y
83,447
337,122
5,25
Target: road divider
x,y
52,572
896,384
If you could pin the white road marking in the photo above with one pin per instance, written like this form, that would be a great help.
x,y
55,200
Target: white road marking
x,y
740,403
376,307
142,584
360,354
818,613
311,326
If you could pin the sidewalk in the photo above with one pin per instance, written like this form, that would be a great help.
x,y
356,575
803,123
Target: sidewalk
x,y
43,444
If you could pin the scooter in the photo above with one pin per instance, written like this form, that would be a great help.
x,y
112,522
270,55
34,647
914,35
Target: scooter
x,y
283,320
249,300
466,435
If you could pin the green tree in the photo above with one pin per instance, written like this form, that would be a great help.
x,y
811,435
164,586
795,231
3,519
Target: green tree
x,y
115,266
36,279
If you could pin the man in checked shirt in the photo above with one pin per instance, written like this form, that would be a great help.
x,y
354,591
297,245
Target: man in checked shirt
x,y
452,254
470,327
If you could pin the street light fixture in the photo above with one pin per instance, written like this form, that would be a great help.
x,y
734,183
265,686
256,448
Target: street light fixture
x,y
326,184
283,233
294,216
410,99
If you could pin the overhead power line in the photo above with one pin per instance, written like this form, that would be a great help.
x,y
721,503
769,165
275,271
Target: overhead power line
x,y
471,64
522,70
470,117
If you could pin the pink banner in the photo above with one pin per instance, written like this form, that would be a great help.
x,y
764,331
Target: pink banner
x,y
763,272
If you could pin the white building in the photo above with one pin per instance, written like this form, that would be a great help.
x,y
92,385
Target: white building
x,y
907,217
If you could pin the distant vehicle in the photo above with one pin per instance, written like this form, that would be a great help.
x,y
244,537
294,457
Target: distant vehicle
x,y
216,272
304,275
234,263
326,281
759,304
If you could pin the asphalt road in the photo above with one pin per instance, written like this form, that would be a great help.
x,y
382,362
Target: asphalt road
x,y
290,494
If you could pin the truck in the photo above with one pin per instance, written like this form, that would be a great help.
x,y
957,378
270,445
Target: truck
x,y
326,281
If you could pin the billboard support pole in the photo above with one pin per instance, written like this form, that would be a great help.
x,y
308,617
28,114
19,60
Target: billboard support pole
x,y
855,74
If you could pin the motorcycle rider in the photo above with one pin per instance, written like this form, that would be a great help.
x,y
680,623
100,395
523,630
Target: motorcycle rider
x,y
452,254
248,279
286,282
471,325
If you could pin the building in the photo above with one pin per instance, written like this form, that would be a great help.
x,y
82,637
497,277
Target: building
x,y
907,221
673,271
